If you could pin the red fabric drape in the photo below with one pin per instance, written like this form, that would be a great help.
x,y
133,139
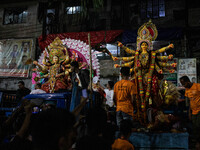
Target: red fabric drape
x,y
95,36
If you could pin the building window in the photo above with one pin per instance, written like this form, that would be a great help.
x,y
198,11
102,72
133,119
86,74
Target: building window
x,y
73,10
51,22
15,15
152,8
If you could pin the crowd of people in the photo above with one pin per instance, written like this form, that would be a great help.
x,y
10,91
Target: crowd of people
x,y
52,128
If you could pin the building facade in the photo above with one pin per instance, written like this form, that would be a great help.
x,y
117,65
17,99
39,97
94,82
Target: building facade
x,y
21,19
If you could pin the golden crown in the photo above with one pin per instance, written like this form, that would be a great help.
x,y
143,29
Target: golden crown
x,y
147,33
57,49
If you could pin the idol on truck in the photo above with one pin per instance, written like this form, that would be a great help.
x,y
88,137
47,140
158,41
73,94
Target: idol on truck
x,y
147,67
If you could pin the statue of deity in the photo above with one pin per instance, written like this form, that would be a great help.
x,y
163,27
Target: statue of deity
x,y
54,63
146,64
54,67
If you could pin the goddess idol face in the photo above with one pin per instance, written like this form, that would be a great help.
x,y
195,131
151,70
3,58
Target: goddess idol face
x,y
144,46
55,59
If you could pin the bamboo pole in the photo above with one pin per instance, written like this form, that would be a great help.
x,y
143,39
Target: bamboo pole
x,y
90,50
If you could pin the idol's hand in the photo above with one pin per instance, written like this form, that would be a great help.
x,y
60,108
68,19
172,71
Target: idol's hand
x,y
114,58
174,65
34,69
171,46
58,76
119,44
45,53
171,56
35,62
116,65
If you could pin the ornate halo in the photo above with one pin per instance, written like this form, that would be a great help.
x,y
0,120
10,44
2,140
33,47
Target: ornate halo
x,y
83,49
147,33
77,46
150,28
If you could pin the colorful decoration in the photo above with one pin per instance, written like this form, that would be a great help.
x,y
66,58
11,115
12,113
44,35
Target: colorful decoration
x,y
169,93
96,37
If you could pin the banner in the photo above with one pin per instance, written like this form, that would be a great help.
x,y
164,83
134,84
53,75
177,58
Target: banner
x,y
187,67
15,55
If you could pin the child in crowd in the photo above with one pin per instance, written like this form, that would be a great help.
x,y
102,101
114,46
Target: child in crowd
x,y
123,143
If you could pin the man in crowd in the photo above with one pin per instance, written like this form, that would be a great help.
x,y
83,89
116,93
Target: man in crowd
x,y
80,81
22,91
192,91
109,93
122,142
53,130
124,96
38,89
